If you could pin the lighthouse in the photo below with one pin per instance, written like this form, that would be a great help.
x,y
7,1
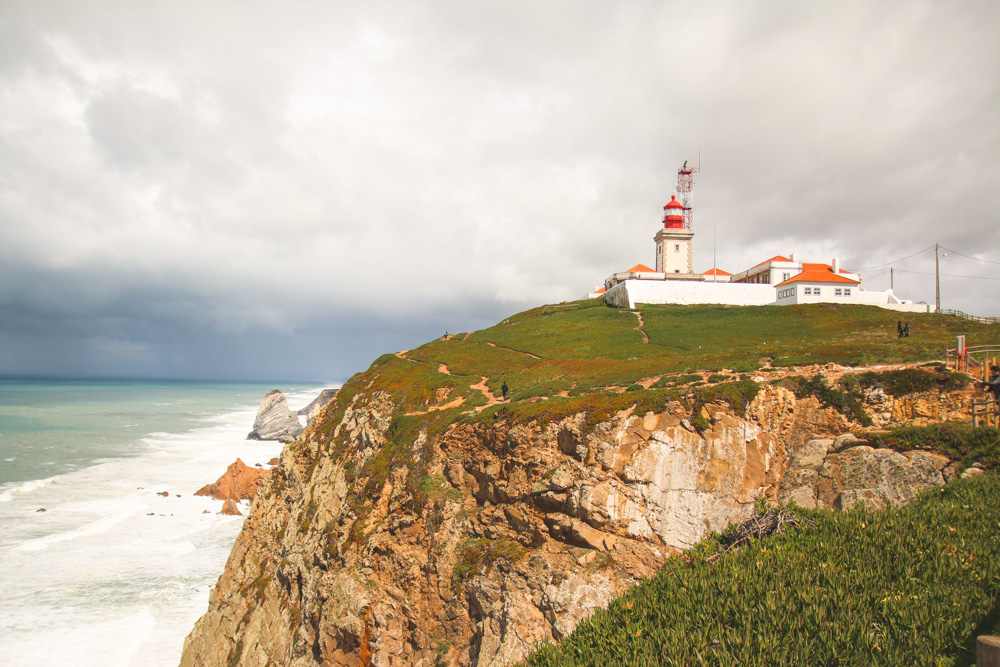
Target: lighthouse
x,y
673,242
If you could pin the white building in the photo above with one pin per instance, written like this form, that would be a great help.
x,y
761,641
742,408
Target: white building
x,y
779,280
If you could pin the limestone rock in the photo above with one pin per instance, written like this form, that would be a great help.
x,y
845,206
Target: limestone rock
x,y
861,475
274,420
239,482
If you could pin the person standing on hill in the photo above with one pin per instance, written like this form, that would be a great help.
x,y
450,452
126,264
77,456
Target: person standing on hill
x,y
503,390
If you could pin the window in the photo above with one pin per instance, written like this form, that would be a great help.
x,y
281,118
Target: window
x,y
677,247
785,276
809,290
847,291
838,292
815,291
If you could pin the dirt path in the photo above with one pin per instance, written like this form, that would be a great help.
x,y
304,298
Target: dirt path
x,y
485,391
443,368
645,338
434,408
510,349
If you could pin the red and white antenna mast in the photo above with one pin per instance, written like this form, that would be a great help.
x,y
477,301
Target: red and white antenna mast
x,y
685,184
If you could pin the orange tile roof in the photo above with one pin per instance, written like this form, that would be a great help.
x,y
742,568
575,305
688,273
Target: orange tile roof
x,y
641,267
776,258
806,266
819,276
716,272
599,291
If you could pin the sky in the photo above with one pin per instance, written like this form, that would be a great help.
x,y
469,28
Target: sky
x,y
256,190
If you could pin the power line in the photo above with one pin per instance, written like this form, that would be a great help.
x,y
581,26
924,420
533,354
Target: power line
x,y
947,275
879,266
979,259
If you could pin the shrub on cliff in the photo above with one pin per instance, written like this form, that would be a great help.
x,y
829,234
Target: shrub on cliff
x,y
847,395
956,440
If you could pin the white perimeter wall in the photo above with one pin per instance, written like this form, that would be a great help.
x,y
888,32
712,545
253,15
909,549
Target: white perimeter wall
x,y
630,292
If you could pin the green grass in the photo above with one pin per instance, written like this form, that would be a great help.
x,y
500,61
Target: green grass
x,y
911,586
585,346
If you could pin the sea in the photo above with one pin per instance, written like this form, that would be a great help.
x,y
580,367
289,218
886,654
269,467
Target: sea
x,y
96,566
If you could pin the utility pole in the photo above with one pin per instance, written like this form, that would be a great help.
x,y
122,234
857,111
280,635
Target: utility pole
x,y
892,283
937,280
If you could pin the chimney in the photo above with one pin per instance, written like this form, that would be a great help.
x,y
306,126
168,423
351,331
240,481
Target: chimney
x,y
794,257
836,265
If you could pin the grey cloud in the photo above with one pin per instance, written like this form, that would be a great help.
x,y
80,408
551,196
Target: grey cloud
x,y
256,183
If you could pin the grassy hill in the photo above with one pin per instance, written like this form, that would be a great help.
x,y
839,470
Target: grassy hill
x,y
565,352
859,588
909,586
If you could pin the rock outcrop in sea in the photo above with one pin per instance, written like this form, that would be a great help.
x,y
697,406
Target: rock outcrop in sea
x,y
496,536
317,404
239,482
275,421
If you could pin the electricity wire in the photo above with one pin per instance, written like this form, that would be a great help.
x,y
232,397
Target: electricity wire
x,y
946,275
879,266
978,259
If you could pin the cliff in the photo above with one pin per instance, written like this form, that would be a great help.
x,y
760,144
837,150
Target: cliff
x,y
388,540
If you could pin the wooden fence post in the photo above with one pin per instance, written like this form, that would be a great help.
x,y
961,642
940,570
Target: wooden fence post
x,y
988,651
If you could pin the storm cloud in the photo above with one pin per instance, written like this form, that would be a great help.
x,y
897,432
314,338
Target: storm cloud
x,y
263,190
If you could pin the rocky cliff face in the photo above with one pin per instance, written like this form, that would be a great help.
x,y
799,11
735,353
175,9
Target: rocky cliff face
x,y
495,537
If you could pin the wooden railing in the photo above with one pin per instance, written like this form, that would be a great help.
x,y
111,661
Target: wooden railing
x,y
974,318
976,360
985,413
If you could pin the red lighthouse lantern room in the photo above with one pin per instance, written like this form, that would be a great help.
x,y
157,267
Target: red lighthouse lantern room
x,y
673,216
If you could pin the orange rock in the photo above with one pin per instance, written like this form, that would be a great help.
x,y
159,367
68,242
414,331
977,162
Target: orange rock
x,y
229,507
239,482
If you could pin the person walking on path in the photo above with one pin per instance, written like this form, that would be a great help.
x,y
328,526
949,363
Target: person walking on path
x,y
899,328
503,390
993,385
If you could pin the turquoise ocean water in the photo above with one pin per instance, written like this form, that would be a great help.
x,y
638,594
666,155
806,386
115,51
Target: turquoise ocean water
x,y
97,568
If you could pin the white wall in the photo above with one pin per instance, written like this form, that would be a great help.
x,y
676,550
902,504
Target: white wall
x,y
688,292
828,294
630,292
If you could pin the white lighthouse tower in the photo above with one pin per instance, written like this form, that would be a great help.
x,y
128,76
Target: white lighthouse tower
x,y
673,242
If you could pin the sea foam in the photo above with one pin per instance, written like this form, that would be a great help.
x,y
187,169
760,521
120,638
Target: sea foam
x,y
112,573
